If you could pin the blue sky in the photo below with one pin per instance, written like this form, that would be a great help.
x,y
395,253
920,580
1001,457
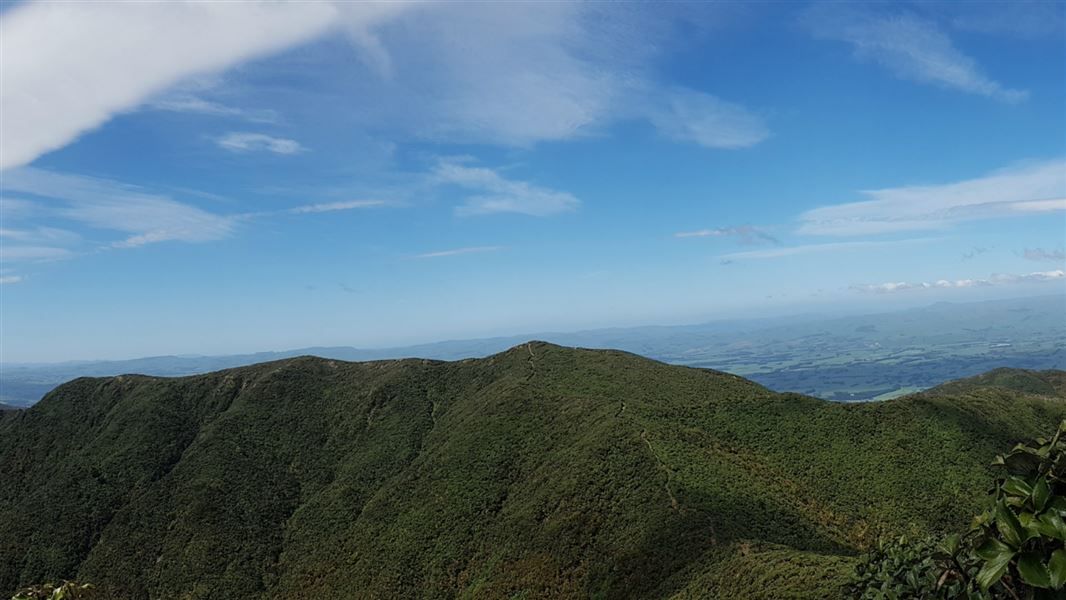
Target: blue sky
x,y
232,177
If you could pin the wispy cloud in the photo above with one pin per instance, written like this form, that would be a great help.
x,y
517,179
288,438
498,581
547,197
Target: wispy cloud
x,y
690,116
335,206
23,253
50,235
494,193
532,72
524,72
459,251
113,206
1040,254
9,279
818,248
746,233
997,279
910,46
188,103
974,253
127,53
258,142
37,244
1027,189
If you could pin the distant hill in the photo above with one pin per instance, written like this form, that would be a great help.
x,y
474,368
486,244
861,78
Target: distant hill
x,y
539,472
1048,383
846,358
8,407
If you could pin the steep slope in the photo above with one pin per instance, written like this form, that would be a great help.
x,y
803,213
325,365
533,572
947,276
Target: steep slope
x,y
539,472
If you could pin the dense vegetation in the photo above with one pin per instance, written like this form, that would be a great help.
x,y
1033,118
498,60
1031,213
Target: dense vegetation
x,y
1013,550
539,472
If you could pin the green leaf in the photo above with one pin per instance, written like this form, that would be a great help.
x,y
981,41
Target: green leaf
x,y
992,549
949,545
1033,570
1053,526
1041,494
993,569
1016,486
1008,525
1057,569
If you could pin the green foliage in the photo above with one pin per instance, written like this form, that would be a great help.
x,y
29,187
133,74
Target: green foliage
x,y
1020,539
539,472
1014,549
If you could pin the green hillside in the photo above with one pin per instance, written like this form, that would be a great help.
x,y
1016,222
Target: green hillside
x,y
539,472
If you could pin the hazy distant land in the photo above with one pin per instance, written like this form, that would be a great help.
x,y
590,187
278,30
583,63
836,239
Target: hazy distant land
x,y
876,356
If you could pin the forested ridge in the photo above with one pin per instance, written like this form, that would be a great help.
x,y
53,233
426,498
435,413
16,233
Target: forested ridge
x,y
539,472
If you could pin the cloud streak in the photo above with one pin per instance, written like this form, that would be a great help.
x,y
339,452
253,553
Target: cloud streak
x,y
494,193
818,248
459,251
909,46
746,233
258,142
997,279
1028,189
335,206
187,103
691,116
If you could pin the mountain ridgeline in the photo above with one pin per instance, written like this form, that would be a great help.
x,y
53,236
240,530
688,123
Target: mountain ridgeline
x,y
538,472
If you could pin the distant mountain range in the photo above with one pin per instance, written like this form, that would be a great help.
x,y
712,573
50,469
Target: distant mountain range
x,y
539,472
846,358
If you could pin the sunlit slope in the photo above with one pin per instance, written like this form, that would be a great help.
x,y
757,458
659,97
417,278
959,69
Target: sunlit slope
x,y
539,472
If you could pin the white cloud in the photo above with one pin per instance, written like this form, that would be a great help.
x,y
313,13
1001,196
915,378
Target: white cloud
x,y
504,73
258,142
68,67
188,103
110,205
910,46
459,251
519,73
746,233
1027,189
818,248
690,116
996,279
9,279
496,194
507,73
335,206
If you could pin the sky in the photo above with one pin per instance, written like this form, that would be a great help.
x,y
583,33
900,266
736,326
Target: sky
x,y
219,177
